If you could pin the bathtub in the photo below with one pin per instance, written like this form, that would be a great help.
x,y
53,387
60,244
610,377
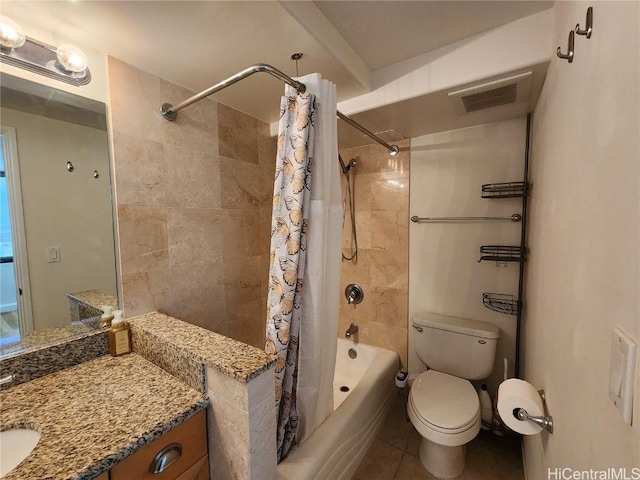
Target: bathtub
x,y
334,450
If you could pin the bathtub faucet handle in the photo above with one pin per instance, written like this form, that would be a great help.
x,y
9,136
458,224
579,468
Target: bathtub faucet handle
x,y
352,330
354,294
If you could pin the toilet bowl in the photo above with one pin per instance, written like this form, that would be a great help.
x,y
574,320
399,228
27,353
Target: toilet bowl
x,y
445,410
443,406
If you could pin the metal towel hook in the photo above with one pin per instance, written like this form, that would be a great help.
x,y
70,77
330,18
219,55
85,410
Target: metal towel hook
x,y
569,55
589,24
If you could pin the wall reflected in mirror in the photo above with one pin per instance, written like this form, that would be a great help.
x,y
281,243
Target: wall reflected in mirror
x,y
56,216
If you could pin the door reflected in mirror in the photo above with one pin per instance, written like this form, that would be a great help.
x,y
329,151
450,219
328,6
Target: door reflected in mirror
x,y
56,216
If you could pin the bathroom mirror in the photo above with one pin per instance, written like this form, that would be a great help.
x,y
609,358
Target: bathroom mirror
x,y
56,215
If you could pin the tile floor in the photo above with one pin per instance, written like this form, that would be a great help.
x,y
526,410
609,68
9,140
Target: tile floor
x,y
394,454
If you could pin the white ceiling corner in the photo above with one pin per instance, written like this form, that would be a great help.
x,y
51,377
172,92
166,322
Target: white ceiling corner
x,y
197,44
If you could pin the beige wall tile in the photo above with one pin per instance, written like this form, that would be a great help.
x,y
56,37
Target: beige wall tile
x,y
362,156
195,237
228,432
392,337
390,305
244,185
140,170
135,101
194,243
240,229
196,126
267,147
381,197
390,191
262,444
193,177
143,238
196,297
386,230
389,268
238,135
145,292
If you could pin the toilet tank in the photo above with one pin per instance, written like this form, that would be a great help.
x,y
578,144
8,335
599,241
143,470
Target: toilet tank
x,y
458,346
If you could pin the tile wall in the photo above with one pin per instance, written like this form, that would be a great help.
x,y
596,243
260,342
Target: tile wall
x,y
382,211
194,200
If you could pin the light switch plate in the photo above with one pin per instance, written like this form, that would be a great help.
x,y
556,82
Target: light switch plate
x,y
622,372
53,254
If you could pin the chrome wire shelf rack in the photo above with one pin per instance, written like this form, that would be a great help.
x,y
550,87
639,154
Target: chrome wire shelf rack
x,y
502,253
505,190
501,303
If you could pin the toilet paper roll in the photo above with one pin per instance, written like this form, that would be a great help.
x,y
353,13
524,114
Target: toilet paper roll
x,y
514,394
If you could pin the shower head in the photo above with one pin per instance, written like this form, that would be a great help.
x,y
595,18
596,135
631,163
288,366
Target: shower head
x,y
348,166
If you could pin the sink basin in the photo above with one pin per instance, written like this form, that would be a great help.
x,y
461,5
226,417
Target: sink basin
x,y
15,446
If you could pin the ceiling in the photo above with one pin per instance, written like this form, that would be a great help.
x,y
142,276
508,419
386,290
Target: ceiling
x,y
199,43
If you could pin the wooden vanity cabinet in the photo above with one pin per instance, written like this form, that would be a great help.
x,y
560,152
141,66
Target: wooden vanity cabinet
x,y
183,451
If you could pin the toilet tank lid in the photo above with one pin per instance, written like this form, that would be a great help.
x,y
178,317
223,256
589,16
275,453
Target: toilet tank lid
x,y
456,324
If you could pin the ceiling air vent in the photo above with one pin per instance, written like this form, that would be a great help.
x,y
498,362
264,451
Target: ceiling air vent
x,y
504,91
490,98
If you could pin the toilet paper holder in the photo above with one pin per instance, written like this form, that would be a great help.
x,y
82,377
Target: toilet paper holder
x,y
545,422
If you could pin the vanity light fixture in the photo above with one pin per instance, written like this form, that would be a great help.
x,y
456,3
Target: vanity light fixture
x,y
66,63
11,34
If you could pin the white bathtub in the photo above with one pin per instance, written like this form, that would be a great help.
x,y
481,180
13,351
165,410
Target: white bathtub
x,y
336,448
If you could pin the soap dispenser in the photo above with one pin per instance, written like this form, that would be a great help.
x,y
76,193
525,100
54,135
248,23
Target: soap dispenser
x,y
119,335
107,315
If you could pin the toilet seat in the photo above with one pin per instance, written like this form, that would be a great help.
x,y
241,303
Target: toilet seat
x,y
444,408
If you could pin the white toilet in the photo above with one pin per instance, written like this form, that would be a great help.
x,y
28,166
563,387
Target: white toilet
x,y
443,405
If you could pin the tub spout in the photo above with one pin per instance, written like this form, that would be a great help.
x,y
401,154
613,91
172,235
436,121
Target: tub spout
x,y
352,330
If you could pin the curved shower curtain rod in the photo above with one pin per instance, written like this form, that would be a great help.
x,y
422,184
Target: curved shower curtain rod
x,y
170,112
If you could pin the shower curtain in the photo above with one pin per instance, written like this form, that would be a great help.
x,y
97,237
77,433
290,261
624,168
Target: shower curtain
x,y
305,256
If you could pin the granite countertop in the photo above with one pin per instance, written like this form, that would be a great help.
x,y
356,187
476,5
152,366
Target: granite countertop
x,y
50,336
95,414
230,357
94,298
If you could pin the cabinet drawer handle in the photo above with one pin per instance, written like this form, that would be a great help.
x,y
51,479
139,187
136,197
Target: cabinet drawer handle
x,y
165,458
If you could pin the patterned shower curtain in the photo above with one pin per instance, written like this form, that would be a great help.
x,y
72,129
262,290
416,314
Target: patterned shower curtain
x,y
289,224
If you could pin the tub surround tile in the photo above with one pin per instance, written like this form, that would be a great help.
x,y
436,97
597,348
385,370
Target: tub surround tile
x,y
267,148
197,297
196,126
238,135
194,177
240,229
143,238
389,269
146,291
382,211
135,101
390,306
363,230
194,237
244,185
94,415
140,170
389,191
230,357
192,194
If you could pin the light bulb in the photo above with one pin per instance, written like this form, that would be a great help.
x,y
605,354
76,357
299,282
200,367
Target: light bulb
x,y
11,35
71,58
